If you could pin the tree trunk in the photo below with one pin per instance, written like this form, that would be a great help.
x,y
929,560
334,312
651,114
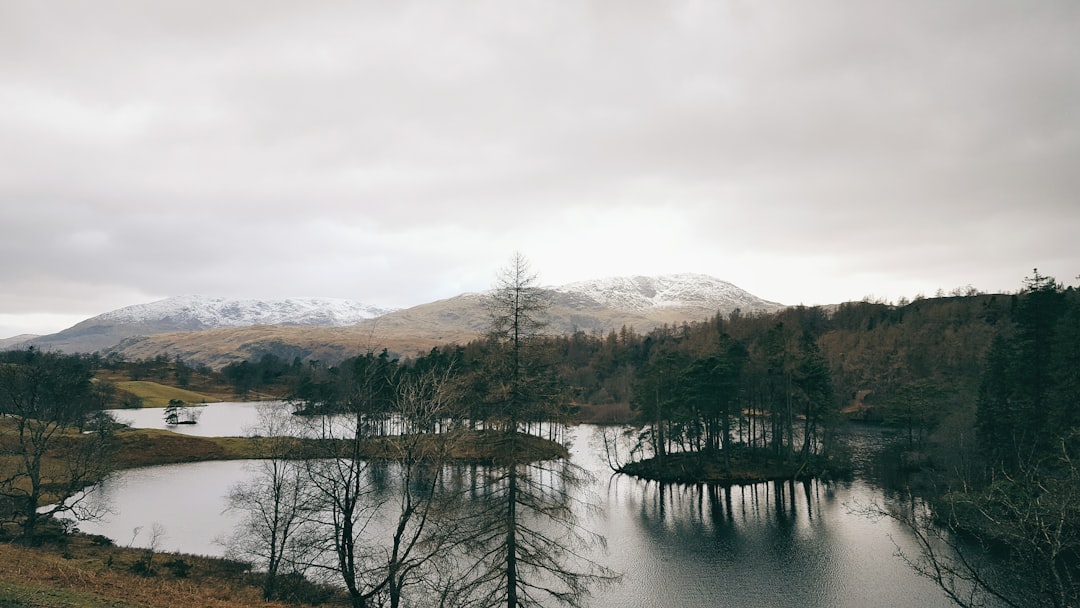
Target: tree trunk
x,y
511,538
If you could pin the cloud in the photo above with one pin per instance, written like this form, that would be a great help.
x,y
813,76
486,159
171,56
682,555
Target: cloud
x,y
399,152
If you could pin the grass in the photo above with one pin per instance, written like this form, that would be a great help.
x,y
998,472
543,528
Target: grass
x,y
158,395
146,447
201,388
19,595
82,572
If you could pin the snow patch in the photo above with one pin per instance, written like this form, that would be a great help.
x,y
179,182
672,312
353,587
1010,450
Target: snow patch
x,y
213,312
640,293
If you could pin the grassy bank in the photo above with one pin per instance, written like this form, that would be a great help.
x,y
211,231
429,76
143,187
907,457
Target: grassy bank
x,y
85,572
146,447
159,395
201,388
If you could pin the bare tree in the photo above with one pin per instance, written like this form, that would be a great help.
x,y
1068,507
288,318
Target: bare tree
x,y
58,447
275,504
383,525
426,522
344,503
1013,543
145,565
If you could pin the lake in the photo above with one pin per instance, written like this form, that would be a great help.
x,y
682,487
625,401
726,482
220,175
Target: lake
x,y
676,545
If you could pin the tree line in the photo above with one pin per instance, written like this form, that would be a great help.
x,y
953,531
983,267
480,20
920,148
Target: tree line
x,y
983,387
986,384
1000,524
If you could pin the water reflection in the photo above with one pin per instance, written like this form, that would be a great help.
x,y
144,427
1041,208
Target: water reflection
x,y
677,545
225,419
767,544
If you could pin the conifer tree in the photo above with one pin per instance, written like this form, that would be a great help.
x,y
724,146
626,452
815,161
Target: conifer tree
x,y
525,537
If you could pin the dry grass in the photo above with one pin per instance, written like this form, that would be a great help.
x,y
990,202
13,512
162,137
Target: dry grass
x,y
145,447
469,446
209,387
82,574
158,395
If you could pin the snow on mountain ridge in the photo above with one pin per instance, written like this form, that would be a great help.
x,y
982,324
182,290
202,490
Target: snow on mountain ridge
x,y
638,294
641,293
214,312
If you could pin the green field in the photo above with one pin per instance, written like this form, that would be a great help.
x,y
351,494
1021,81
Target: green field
x,y
158,395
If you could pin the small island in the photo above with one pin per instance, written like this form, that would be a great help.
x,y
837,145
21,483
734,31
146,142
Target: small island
x,y
178,412
744,467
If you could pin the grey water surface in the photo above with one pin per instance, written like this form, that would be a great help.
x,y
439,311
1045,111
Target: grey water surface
x,y
802,545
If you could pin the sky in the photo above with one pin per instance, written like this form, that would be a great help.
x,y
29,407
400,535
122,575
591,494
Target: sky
x,y
401,152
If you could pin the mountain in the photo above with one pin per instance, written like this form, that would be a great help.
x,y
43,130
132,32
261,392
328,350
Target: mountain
x,y
215,331
194,313
589,306
19,341
674,291
200,313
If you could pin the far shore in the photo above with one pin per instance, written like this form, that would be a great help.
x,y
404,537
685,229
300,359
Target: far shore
x,y
148,447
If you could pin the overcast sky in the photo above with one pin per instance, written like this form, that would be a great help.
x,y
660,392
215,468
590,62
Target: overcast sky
x,y
400,152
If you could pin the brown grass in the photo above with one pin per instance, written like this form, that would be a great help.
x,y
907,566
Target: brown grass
x,y
159,395
201,388
82,574
144,447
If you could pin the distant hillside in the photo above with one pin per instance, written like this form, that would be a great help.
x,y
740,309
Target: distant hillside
x,y
16,341
676,291
219,347
200,313
215,331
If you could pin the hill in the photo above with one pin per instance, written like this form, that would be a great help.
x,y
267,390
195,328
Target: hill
x,y
200,313
15,342
216,331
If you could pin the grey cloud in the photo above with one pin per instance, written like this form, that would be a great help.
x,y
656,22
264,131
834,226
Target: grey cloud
x,y
200,146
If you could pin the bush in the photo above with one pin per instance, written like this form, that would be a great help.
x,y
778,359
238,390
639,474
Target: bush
x,y
179,568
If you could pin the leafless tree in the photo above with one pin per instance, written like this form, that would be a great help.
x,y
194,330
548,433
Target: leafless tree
x,y
1014,543
274,503
382,526
426,522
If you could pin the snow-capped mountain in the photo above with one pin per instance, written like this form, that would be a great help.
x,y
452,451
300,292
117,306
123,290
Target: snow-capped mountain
x,y
198,313
217,330
641,293
201,312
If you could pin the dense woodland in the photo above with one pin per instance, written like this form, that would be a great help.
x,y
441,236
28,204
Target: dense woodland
x,y
762,382
981,390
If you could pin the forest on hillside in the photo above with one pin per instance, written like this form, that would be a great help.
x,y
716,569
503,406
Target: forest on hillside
x,y
916,365
981,391
879,360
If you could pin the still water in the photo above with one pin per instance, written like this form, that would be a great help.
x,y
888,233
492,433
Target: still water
x,y
678,546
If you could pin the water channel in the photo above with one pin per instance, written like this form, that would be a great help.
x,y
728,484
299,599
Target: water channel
x,y
678,546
